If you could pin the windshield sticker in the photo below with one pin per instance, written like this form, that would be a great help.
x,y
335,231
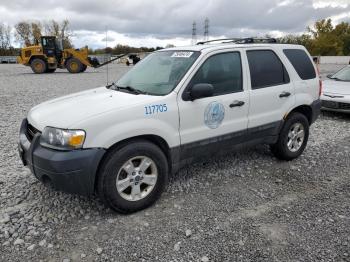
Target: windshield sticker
x,y
214,114
182,54
155,109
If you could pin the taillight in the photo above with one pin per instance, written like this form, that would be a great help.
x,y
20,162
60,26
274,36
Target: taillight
x,y
320,81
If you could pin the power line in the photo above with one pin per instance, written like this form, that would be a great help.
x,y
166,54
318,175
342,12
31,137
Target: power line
x,y
194,33
206,29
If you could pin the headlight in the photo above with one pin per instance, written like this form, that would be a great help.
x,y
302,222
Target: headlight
x,y
62,138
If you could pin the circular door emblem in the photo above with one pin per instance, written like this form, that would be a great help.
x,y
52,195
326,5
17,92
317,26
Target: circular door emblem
x,y
214,114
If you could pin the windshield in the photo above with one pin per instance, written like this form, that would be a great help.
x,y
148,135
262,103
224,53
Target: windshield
x,y
342,75
160,72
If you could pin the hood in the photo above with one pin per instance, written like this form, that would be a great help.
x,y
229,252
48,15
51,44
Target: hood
x,y
66,111
336,87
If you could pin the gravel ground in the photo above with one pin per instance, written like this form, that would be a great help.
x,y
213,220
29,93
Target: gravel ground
x,y
246,206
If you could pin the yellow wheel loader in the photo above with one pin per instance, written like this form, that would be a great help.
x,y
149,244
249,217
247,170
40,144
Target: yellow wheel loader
x,y
50,55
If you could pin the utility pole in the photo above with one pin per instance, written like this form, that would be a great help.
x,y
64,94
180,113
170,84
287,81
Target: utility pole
x,y
194,33
206,29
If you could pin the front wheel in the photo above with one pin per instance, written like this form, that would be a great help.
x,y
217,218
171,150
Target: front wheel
x,y
74,65
132,177
292,138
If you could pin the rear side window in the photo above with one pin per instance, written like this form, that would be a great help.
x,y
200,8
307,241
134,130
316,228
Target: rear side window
x,y
266,69
301,62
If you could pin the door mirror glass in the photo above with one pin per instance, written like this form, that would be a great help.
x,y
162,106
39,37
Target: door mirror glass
x,y
201,90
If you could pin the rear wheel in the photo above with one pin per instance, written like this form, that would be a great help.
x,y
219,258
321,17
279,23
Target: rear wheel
x,y
38,66
293,137
74,65
132,177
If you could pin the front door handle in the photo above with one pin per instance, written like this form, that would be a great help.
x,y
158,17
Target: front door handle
x,y
236,103
285,94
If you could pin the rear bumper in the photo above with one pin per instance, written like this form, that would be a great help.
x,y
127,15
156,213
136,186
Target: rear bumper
x,y
70,171
316,110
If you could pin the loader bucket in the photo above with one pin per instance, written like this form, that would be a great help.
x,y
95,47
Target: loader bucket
x,y
94,61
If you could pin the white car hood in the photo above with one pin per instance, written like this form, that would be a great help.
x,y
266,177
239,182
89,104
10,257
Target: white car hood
x,y
68,110
336,87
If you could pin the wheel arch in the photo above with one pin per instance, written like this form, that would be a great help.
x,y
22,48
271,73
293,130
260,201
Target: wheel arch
x,y
42,57
306,110
77,55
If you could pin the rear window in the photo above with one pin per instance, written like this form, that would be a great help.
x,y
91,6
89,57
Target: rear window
x,y
266,69
301,62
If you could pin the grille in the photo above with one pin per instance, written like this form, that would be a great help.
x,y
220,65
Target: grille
x,y
344,106
336,105
31,132
330,104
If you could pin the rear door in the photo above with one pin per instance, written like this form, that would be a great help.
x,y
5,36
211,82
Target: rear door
x,y
271,92
306,82
213,124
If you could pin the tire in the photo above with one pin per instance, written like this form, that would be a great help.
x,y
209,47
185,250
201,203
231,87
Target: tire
x,y
74,65
38,66
293,137
114,168
51,70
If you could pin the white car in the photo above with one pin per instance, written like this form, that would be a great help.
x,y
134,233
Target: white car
x,y
336,91
176,106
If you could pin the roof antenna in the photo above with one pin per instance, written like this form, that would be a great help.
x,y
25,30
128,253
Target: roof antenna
x,y
106,57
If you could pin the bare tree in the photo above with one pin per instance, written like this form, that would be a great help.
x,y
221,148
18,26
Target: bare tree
x,y
36,29
5,37
60,30
52,28
23,33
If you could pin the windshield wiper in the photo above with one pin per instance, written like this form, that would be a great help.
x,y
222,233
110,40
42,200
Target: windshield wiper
x,y
127,88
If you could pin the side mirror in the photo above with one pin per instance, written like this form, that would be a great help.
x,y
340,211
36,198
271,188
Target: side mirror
x,y
329,76
200,91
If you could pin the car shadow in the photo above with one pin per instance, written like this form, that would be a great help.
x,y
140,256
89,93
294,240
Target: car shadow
x,y
336,115
31,73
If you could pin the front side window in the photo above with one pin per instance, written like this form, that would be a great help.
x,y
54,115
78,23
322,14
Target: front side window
x,y
223,71
160,72
266,69
48,43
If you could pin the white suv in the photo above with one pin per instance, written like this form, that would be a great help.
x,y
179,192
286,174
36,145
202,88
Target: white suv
x,y
176,106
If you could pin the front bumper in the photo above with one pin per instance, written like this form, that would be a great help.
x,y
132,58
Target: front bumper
x,y
336,106
70,171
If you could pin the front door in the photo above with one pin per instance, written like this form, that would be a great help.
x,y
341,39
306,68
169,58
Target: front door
x,y
49,46
213,124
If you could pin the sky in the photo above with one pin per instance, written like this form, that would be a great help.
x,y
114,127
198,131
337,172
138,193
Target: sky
x,y
158,22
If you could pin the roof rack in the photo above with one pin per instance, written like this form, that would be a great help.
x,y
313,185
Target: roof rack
x,y
249,40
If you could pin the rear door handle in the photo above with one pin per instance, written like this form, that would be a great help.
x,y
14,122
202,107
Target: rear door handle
x,y
237,104
285,94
